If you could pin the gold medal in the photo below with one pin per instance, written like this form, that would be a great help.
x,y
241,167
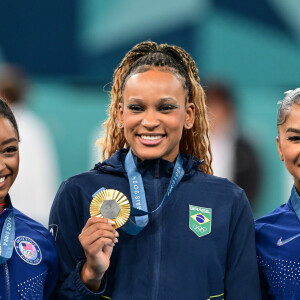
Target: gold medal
x,y
111,204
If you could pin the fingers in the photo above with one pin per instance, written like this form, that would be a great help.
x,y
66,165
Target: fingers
x,y
97,233
96,220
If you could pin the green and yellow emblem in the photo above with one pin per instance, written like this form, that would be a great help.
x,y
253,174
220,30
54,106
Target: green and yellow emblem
x,y
200,220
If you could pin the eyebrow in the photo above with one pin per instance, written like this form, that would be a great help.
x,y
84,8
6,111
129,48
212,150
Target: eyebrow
x,y
135,100
9,141
293,130
161,100
167,99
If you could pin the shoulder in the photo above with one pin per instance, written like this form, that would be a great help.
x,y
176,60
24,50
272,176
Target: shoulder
x,y
109,170
220,194
34,230
220,187
271,218
76,193
80,181
75,190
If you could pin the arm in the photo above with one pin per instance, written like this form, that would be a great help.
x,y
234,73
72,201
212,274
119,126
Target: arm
x,y
69,213
241,278
97,239
52,275
261,238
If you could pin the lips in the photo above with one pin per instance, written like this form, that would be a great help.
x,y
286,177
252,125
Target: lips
x,y
151,137
3,180
151,140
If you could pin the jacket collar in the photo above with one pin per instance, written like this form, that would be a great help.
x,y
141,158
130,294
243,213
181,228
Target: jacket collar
x,y
7,210
295,201
115,164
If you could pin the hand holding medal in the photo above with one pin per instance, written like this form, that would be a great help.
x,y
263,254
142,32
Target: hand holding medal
x,y
109,210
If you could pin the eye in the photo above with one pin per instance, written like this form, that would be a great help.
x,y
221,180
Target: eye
x,y
167,107
294,138
11,149
135,107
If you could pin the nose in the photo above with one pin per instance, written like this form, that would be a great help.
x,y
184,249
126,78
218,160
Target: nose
x,y
150,120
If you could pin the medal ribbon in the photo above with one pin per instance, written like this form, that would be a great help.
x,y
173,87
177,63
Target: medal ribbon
x,y
7,238
139,209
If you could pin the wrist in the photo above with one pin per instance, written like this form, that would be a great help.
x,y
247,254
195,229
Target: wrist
x,y
91,279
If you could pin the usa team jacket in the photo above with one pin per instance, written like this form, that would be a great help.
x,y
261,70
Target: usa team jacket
x,y
199,245
278,250
32,271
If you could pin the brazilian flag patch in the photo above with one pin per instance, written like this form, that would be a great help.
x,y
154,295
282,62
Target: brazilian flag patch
x,y
200,220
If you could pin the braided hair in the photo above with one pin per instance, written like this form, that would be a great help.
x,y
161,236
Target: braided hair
x,y
140,58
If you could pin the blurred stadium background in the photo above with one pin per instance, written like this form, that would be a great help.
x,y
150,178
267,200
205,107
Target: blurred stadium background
x,y
70,49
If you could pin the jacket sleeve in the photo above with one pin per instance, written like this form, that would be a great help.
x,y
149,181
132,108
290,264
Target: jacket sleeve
x,y
52,275
68,216
242,277
260,238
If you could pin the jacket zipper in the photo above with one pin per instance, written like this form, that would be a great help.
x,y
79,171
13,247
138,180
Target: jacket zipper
x,y
157,258
7,281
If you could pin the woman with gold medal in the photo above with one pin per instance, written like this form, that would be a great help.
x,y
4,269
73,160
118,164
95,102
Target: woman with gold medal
x,y
186,234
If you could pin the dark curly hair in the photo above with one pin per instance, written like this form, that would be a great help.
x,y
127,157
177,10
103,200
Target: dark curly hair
x,y
7,113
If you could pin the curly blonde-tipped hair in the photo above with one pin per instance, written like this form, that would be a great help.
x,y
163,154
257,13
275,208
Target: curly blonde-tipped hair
x,y
194,141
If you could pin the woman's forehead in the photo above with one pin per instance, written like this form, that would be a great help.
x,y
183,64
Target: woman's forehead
x,y
292,117
7,129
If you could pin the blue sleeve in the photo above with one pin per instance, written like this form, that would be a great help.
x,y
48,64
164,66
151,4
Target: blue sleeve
x,y
260,242
242,278
52,275
68,216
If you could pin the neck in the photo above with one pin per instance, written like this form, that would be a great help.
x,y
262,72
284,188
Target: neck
x,y
2,206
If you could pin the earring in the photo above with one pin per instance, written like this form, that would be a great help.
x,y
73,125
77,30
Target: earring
x,y
120,125
187,125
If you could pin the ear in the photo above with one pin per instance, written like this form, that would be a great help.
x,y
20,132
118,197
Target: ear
x,y
279,148
121,113
189,116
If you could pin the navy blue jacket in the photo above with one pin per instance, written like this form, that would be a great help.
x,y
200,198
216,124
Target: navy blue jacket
x,y
278,250
167,260
32,271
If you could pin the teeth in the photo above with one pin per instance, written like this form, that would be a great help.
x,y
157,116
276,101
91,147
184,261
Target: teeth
x,y
151,137
2,179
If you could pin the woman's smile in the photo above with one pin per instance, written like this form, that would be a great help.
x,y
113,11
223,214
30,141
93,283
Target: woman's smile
x,y
151,140
2,180
9,156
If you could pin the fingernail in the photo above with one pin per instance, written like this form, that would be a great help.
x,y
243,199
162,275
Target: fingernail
x,y
116,240
117,234
111,222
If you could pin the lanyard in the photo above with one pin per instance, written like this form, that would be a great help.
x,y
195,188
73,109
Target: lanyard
x,y
7,238
138,197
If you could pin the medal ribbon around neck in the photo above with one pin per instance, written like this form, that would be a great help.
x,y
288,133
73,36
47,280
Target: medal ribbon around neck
x,y
7,238
140,209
